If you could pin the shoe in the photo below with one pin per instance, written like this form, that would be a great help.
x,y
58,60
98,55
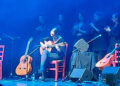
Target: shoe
x,y
42,77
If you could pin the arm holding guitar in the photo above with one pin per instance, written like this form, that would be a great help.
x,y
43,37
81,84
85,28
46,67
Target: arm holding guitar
x,y
43,45
60,44
57,47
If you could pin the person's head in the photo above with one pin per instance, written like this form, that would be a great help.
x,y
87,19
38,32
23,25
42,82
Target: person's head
x,y
54,32
60,18
41,19
97,15
80,17
115,17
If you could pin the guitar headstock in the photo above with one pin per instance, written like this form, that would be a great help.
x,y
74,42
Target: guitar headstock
x,y
30,39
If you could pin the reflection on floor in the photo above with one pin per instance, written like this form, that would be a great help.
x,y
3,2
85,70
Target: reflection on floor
x,y
46,83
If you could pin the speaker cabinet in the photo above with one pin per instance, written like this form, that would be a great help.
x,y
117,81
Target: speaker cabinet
x,y
81,75
81,45
110,75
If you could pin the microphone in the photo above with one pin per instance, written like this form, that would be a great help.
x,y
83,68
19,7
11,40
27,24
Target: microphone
x,y
100,35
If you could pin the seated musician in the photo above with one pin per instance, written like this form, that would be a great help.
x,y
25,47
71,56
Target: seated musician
x,y
57,52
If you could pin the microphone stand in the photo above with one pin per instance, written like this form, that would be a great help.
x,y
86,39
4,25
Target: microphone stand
x,y
34,73
12,49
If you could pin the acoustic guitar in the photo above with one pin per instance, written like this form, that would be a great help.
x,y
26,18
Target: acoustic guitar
x,y
106,61
24,67
48,45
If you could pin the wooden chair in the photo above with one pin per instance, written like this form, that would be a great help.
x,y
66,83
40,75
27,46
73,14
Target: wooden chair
x,y
59,68
117,56
1,59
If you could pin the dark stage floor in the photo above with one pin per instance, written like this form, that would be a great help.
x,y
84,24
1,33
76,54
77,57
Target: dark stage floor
x,y
47,83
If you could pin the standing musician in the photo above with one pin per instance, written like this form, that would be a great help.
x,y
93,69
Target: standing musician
x,y
98,46
57,52
78,30
114,31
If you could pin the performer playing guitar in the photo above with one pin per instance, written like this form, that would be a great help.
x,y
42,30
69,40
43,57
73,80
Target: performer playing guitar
x,y
57,52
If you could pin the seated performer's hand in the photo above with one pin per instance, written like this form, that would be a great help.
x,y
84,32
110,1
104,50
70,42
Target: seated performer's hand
x,y
43,45
57,47
107,29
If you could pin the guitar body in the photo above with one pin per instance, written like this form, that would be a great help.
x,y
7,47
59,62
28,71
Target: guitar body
x,y
105,62
24,68
47,43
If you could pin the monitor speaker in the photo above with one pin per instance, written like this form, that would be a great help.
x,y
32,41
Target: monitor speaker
x,y
110,75
81,75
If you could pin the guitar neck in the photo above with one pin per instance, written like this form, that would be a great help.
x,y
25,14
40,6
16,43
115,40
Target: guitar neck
x,y
26,52
57,44
27,48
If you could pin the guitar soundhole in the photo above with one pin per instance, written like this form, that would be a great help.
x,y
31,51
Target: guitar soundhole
x,y
22,68
102,62
24,60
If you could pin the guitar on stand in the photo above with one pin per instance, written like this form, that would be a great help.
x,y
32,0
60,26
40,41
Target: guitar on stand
x,y
24,67
106,61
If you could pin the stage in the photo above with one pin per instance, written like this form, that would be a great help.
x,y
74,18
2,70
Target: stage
x,y
48,82
35,83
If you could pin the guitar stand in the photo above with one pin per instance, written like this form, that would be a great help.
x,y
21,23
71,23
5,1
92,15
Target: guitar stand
x,y
32,77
